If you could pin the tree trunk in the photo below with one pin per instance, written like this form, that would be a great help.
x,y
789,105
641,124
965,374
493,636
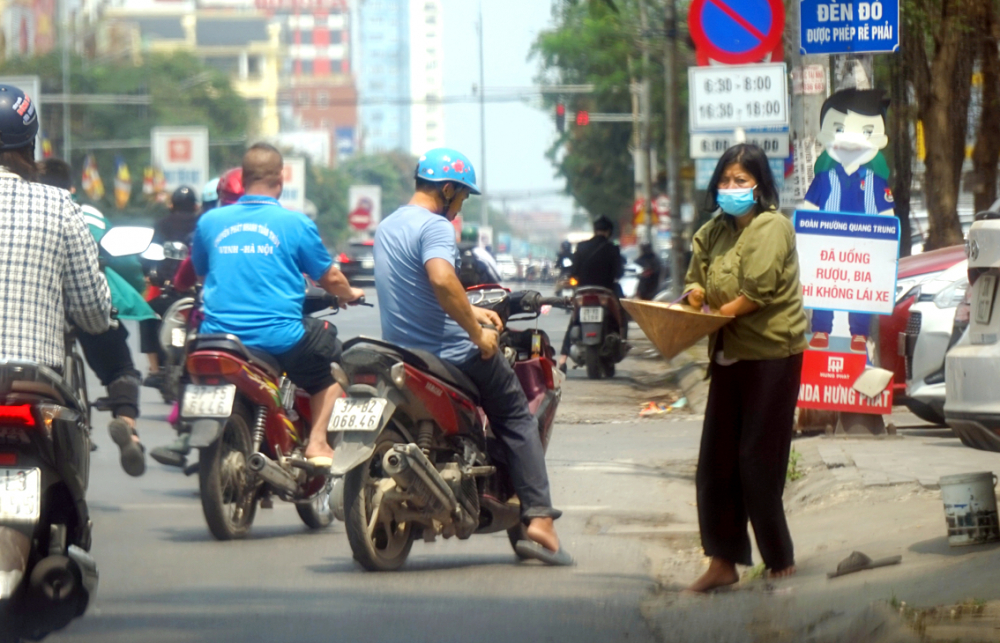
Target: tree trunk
x,y
942,89
987,150
902,151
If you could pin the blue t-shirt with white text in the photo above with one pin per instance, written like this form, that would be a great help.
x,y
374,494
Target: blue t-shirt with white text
x,y
253,255
410,313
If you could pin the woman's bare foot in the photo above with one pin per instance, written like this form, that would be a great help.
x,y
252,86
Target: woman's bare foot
x,y
781,573
720,573
543,532
318,450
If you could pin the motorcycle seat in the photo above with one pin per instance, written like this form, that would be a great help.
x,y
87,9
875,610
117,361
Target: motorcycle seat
x,y
232,344
423,360
18,376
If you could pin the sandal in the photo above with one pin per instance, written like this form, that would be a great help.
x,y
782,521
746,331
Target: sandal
x,y
133,453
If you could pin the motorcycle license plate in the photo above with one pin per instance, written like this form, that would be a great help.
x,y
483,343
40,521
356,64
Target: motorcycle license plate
x,y
591,315
367,264
357,414
208,401
20,495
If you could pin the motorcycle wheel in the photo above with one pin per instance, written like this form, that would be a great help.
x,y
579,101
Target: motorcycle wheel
x,y
377,546
609,366
228,497
594,367
515,534
318,512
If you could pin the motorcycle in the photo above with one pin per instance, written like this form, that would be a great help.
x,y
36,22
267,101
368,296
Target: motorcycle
x,y
250,423
171,304
596,340
47,576
416,451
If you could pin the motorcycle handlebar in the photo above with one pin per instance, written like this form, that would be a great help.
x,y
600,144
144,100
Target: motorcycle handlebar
x,y
556,302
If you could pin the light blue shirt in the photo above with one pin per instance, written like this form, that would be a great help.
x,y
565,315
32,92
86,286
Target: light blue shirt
x,y
253,255
411,315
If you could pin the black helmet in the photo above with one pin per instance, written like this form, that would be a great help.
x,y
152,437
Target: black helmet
x,y
184,199
603,224
566,246
18,119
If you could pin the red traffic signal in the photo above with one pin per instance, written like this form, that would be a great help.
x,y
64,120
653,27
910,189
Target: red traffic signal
x,y
560,117
583,118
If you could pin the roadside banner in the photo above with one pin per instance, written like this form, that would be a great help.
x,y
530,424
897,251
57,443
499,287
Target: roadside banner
x,y
181,153
847,261
293,194
91,179
123,183
827,384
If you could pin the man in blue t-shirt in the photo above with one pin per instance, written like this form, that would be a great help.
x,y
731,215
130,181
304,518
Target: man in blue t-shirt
x,y
253,255
423,306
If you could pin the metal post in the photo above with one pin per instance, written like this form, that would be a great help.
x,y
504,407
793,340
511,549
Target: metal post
x,y
678,267
645,110
483,203
66,114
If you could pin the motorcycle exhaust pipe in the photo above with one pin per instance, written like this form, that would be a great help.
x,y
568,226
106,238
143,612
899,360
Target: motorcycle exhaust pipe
x,y
406,459
271,472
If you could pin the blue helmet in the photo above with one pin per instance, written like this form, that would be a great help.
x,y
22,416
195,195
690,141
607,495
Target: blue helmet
x,y
18,118
210,191
443,164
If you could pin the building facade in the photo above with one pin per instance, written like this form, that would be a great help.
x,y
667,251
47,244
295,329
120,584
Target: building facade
x,y
399,71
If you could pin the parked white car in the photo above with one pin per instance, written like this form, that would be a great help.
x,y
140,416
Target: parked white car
x,y
508,267
926,340
972,368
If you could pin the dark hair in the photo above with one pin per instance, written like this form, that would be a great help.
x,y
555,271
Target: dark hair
x,y
603,224
867,102
21,161
262,163
423,185
55,172
752,159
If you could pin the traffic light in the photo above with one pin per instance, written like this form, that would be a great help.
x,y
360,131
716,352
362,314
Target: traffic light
x,y
561,117
583,117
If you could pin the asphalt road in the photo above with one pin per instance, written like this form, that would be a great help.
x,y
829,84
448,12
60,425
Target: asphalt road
x,y
164,578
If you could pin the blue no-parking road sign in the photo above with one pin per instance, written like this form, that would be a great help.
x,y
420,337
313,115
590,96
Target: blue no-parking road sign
x,y
849,26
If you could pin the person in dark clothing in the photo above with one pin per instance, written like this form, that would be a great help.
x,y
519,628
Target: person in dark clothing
x,y
596,262
649,279
178,225
565,260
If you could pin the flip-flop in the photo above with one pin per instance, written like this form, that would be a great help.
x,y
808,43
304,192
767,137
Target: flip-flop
x,y
531,549
857,562
320,462
133,454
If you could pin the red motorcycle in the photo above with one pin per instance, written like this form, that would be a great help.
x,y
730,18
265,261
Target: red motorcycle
x,y
250,424
417,452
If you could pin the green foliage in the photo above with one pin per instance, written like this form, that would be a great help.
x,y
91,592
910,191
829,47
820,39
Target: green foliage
x,y
594,44
794,472
182,90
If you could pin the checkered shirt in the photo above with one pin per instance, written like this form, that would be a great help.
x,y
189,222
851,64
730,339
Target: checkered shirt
x,y
48,271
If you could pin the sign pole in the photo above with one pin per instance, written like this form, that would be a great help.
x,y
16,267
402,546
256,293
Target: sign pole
x,y
673,130
646,110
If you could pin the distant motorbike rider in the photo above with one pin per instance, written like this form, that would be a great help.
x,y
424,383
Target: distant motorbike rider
x,y
422,305
649,278
258,295
596,262
108,353
178,225
564,260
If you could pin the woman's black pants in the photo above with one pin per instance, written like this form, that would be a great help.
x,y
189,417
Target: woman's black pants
x,y
744,459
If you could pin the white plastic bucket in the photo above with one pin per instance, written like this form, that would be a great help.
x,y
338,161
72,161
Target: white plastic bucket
x,y
970,508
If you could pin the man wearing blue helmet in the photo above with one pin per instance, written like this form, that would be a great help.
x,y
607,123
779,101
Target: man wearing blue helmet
x,y
422,305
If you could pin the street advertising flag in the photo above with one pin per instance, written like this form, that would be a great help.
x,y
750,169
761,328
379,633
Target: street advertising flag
x,y
147,181
92,183
123,183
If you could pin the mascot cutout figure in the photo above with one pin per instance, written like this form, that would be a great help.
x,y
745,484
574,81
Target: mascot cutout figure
x,y
852,177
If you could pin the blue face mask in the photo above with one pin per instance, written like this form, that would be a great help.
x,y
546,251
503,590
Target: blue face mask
x,y
736,202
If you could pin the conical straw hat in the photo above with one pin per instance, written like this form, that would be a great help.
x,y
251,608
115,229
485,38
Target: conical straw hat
x,y
673,327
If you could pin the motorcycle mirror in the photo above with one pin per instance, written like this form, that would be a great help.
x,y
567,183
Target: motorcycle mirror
x,y
126,240
175,250
154,253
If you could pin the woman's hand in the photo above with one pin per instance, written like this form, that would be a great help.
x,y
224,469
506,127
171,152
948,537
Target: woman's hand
x,y
739,306
696,298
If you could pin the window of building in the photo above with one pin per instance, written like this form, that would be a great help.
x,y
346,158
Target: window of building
x,y
431,20
307,67
322,100
225,64
255,66
432,124
324,124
